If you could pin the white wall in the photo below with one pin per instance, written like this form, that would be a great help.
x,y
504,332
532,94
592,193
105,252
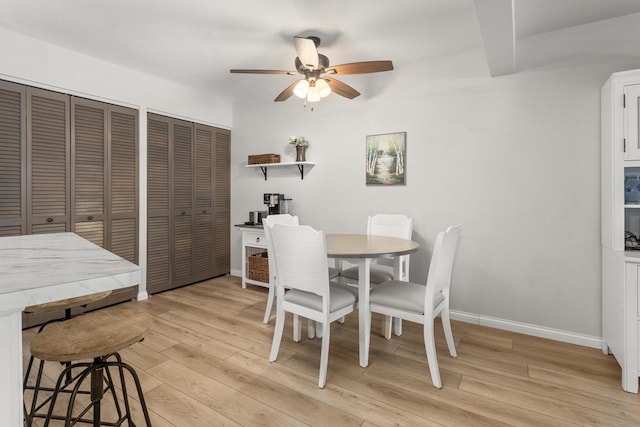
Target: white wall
x,y
514,159
30,61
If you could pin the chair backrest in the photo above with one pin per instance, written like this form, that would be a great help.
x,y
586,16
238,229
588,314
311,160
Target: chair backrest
x,y
391,225
301,258
268,224
441,267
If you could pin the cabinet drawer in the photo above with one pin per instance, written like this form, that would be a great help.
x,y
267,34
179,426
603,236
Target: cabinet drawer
x,y
257,239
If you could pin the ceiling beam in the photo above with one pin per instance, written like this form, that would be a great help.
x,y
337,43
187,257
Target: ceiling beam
x,y
497,26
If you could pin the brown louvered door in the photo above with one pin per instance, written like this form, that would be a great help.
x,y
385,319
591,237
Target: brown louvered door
x,y
48,161
204,202
222,200
123,183
13,158
88,175
182,209
158,205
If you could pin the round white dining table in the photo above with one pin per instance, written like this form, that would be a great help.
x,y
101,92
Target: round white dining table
x,y
361,249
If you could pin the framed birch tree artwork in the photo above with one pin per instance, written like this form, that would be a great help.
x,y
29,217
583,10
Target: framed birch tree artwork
x,y
386,154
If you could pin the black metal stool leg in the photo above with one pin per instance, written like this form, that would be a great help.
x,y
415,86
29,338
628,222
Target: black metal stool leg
x,y
121,365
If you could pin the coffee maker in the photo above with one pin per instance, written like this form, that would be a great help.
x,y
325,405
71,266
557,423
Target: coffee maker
x,y
276,203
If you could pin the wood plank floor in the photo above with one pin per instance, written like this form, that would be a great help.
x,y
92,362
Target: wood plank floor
x,y
205,363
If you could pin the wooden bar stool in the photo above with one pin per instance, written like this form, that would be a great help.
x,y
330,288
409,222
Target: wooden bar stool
x,y
67,305
97,336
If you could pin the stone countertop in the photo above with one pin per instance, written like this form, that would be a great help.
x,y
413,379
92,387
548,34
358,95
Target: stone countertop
x,y
39,268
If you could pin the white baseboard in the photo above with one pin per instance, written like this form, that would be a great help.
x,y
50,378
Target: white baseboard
x,y
528,329
513,326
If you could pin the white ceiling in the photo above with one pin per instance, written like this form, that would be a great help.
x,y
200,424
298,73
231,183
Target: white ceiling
x,y
196,42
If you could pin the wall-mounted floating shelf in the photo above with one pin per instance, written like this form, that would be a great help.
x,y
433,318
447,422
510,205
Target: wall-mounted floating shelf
x,y
264,166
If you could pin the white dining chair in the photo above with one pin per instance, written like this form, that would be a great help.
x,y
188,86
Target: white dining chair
x,y
302,268
390,225
422,304
268,223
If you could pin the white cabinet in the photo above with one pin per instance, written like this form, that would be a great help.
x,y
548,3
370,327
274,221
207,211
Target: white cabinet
x,y
253,240
620,212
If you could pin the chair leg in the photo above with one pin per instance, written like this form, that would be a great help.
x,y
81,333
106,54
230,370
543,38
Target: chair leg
x,y
397,326
311,328
270,298
36,389
277,335
324,354
446,325
122,367
319,329
387,321
432,358
297,328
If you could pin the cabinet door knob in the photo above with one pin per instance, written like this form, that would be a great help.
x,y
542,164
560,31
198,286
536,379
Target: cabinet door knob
x,y
90,218
183,213
204,211
49,219
257,240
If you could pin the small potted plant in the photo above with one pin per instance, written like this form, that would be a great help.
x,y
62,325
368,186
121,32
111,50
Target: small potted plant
x,y
301,143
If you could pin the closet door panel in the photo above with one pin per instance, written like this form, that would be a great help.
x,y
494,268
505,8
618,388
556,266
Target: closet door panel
x,y
182,169
158,261
222,199
13,137
182,251
123,181
123,242
182,197
88,175
158,205
204,202
48,169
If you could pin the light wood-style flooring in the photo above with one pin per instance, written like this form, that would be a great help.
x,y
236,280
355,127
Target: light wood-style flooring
x,y
205,363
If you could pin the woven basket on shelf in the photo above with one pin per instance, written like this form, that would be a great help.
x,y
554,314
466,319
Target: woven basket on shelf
x,y
257,159
259,267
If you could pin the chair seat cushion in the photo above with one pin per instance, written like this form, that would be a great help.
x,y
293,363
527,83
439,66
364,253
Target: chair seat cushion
x,y
377,273
405,296
339,297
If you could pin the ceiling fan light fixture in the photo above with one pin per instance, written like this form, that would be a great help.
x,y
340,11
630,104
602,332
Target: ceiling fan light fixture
x,y
323,88
314,93
301,89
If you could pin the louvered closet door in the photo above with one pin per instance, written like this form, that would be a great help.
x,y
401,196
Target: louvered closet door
x,y
48,161
204,202
123,183
158,205
182,242
88,156
13,157
222,200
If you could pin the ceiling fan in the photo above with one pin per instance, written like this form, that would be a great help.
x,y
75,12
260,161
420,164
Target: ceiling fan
x,y
318,81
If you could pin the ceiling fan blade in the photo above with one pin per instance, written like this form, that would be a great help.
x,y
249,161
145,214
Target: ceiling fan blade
x,y
286,94
306,51
263,71
341,89
361,67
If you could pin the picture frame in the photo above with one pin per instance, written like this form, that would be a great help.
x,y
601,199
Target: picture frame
x,y
385,159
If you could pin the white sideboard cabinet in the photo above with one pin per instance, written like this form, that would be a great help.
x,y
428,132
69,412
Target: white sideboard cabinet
x,y
620,213
253,241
